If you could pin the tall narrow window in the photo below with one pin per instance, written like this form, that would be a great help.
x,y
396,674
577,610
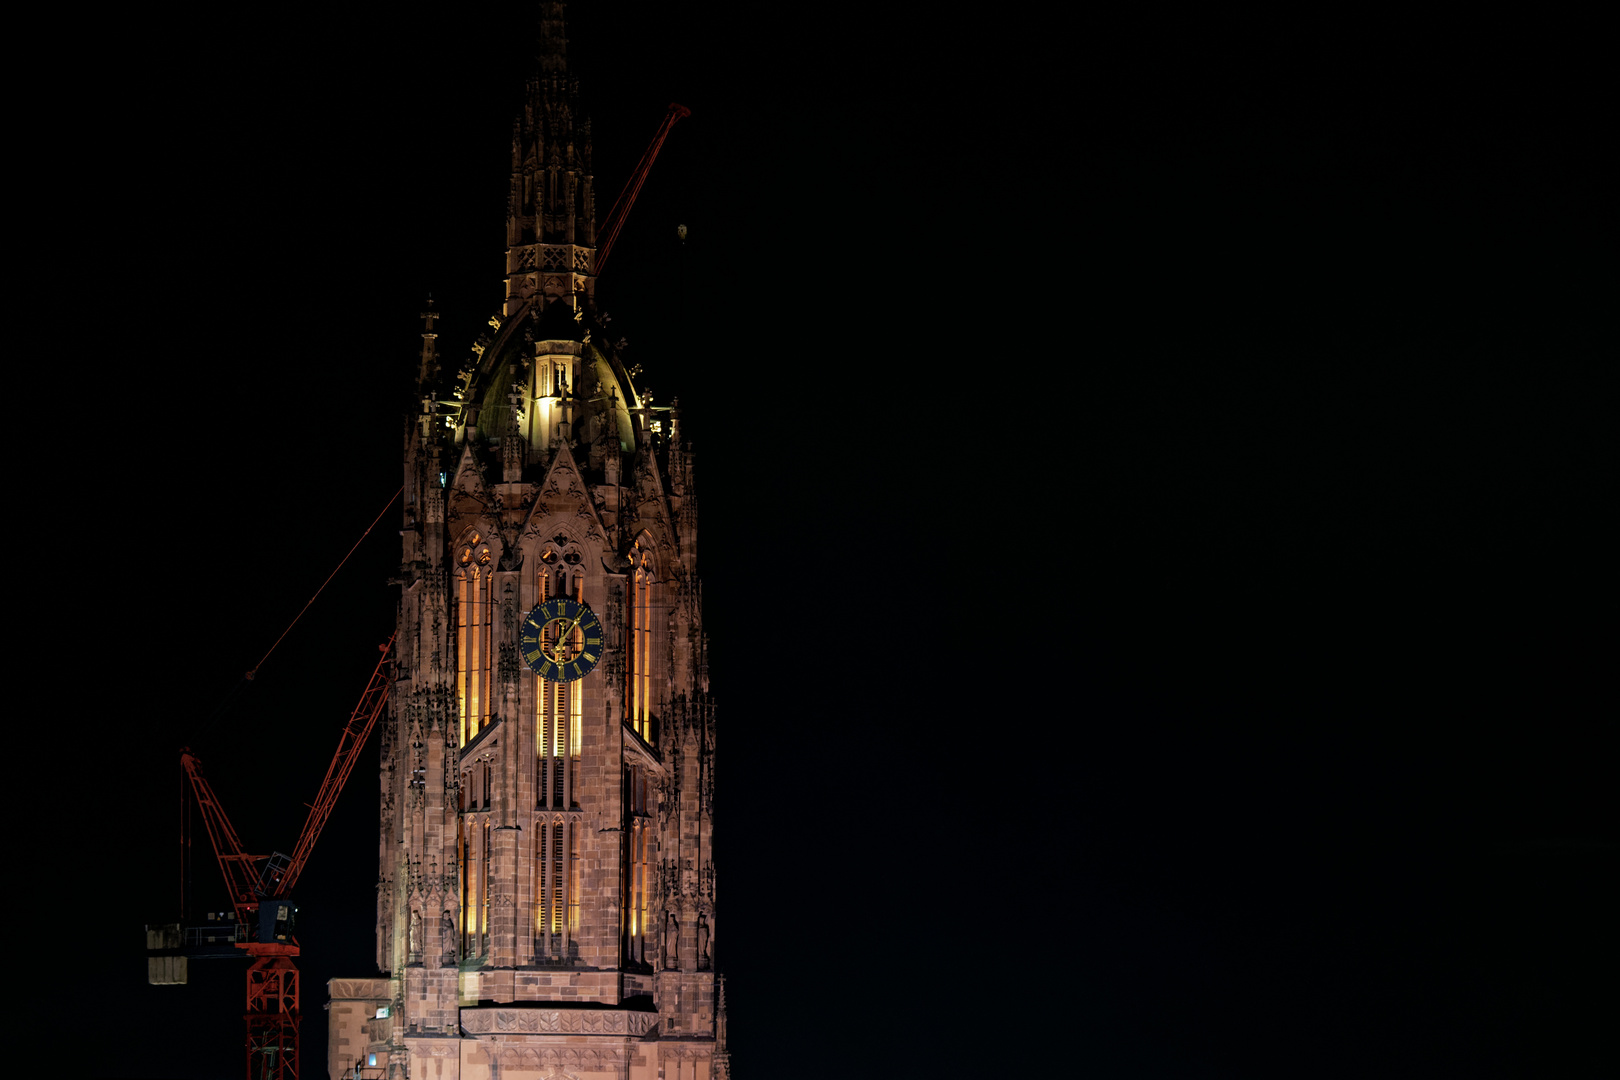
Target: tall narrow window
x,y
639,849
566,692
483,922
646,883
639,648
637,886
576,699
573,881
474,860
555,915
554,894
473,646
556,744
558,719
463,858
541,936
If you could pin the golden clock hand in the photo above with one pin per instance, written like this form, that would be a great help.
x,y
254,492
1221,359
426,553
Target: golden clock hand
x,y
562,636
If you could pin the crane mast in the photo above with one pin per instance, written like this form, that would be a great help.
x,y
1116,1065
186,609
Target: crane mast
x,y
260,889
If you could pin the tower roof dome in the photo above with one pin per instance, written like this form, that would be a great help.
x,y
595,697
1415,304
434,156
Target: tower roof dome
x,y
526,354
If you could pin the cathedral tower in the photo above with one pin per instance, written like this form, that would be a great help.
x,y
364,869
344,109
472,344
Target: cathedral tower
x,y
546,891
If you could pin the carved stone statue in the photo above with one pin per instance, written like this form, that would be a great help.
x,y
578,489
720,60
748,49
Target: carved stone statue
x,y
447,940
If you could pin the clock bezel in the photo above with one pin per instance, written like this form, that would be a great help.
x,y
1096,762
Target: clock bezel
x,y
559,609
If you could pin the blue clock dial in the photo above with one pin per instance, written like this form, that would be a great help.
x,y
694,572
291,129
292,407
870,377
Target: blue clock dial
x,y
561,639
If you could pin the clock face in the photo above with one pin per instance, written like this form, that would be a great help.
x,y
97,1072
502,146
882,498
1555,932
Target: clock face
x,y
561,639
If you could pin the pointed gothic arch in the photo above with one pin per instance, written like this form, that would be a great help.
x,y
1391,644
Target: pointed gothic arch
x,y
562,557
642,602
561,563
475,558
556,886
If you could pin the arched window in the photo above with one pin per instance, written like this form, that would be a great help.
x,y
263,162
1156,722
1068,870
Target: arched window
x,y
558,705
467,867
573,881
561,570
556,872
640,848
473,857
484,927
639,648
474,649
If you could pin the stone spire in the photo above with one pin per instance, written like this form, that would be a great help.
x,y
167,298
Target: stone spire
x,y
722,1055
551,206
552,50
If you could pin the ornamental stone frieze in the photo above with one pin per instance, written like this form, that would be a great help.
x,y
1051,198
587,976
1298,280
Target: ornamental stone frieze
x,y
572,257
433,1046
560,1060
359,988
544,1021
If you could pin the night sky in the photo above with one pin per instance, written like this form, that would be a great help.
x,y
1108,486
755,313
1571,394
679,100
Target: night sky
x,y
1153,497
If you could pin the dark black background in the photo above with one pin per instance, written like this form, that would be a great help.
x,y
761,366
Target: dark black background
x,y
1200,424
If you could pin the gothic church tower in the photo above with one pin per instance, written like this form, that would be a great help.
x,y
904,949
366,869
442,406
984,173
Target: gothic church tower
x,y
546,891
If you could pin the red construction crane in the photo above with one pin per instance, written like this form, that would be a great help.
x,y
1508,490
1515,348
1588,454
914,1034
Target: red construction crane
x,y
261,892
261,886
632,187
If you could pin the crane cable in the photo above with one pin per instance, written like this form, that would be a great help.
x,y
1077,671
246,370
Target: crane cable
x,y
255,669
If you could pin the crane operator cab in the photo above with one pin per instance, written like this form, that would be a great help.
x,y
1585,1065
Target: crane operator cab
x,y
277,920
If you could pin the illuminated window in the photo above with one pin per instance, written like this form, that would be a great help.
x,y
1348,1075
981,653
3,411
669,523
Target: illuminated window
x,y
573,881
561,572
483,882
554,863
537,883
557,739
639,647
464,865
474,651
643,834
640,847
473,857
558,705
556,878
